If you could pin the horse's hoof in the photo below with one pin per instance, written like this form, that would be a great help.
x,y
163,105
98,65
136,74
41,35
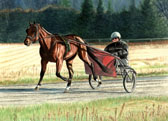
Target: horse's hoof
x,y
66,91
37,88
99,83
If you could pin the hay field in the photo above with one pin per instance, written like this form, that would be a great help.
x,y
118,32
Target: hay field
x,y
19,61
151,57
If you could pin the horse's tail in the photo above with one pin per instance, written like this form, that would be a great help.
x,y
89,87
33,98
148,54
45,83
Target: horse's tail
x,y
90,53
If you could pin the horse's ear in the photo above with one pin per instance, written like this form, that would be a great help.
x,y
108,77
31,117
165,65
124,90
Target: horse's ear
x,y
30,23
34,22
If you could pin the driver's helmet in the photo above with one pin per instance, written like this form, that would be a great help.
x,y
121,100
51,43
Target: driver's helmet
x,y
115,35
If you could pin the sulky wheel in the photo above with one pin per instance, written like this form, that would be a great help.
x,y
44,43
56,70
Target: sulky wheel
x,y
129,80
94,84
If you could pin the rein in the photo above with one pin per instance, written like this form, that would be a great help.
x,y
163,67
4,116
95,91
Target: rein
x,y
70,40
75,42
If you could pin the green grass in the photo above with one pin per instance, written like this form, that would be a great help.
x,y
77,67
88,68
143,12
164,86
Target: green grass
x,y
154,70
152,74
32,80
54,79
112,109
156,66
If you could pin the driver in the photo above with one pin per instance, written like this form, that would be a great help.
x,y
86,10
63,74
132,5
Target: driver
x,y
118,47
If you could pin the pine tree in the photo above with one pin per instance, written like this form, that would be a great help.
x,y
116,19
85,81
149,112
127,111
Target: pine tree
x,y
162,6
100,8
86,19
100,21
152,24
123,23
87,11
109,8
134,22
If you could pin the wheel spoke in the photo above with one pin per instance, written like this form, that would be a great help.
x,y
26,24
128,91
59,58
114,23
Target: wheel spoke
x,y
93,83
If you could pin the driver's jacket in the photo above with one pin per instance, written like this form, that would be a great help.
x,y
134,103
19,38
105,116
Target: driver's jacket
x,y
119,49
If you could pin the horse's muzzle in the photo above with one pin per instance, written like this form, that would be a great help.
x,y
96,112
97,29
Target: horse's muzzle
x,y
27,42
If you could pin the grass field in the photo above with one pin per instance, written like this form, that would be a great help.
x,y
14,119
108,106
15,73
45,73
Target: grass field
x,y
19,62
116,109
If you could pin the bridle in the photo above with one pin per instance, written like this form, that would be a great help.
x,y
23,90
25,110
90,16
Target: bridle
x,y
36,34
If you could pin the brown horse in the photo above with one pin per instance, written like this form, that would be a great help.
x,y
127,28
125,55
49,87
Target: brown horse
x,y
53,49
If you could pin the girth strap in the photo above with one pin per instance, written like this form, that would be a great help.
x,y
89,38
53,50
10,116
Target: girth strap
x,y
67,44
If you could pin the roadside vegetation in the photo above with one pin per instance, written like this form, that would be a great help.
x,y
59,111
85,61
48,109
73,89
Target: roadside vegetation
x,y
54,79
112,109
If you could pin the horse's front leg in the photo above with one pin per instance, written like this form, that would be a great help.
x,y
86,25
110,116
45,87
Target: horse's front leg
x,y
43,70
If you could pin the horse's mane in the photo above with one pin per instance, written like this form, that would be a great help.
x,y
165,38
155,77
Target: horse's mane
x,y
46,31
64,35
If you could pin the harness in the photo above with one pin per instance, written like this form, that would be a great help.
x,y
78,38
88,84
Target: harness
x,y
36,34
67,44
64,40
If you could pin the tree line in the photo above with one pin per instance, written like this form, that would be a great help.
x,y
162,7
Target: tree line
x,y
143,22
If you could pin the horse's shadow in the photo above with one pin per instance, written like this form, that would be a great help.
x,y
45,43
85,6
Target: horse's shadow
x,y
44,90
99,91
17,90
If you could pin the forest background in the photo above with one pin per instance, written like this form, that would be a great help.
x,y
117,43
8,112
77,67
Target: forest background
x,y
86,18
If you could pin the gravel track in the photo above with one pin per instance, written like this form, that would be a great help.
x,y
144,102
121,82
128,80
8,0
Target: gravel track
x,y
22,95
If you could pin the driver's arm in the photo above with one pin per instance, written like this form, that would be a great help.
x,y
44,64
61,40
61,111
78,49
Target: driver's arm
x,y
124,51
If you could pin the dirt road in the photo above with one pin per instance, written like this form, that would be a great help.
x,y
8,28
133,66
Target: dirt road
x,y
80,91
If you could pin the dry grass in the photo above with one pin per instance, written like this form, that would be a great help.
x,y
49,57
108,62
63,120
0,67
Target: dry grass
x,y
116,109
18,61
149,57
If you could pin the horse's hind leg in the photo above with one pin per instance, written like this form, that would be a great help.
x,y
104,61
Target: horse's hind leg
x,y
71,72
43,69
84,56
59,64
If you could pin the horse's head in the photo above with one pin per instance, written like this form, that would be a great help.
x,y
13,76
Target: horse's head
x,y
32,34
